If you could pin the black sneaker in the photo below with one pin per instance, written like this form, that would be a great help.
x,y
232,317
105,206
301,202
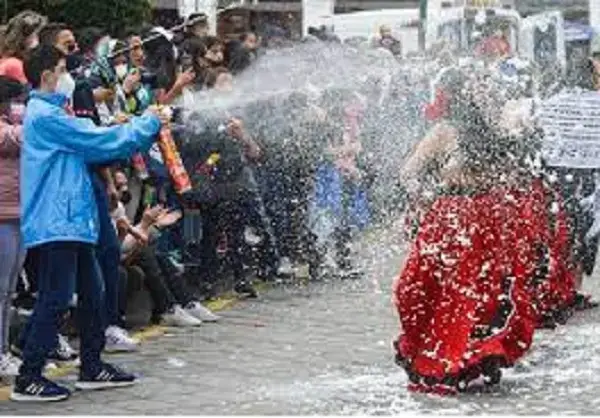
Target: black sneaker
x,y
107,377
38,389
245,289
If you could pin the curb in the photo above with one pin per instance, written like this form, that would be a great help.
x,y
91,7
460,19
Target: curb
x,y
220,304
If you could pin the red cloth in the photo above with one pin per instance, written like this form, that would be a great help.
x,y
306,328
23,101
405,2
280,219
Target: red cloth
x,y
464,295
439,108
493,46
555,288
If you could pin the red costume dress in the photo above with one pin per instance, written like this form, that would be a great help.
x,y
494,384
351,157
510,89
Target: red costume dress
x,y
554,278
465,294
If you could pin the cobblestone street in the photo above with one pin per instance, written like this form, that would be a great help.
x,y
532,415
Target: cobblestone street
x,y
326,349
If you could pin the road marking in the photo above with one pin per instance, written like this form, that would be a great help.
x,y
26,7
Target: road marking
x,y
5,393
221,304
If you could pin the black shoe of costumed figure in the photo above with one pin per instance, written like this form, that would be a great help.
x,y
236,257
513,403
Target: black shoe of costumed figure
x,y
106,377
37,389
492,374
584,302
562,316
548,322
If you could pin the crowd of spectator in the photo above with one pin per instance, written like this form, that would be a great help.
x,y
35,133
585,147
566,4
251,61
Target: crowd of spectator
x,y
89,212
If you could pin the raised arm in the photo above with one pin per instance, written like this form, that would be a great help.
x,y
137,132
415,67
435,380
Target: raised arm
x,y
99,144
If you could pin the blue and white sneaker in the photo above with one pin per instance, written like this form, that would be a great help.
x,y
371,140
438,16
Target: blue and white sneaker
x,y
107,377
37,389
63,353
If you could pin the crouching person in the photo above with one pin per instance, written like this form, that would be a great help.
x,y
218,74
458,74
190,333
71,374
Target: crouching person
x,y
60,221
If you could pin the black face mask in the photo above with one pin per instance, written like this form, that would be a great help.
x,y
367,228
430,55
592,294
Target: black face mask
x,y
125,197
74,61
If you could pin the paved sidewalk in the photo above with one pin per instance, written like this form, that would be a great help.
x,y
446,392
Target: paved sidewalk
x,y
326,349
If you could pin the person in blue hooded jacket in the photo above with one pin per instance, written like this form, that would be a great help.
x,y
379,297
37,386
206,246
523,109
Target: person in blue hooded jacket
x,y
60,223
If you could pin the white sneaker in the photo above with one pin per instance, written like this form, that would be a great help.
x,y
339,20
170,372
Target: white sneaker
x,y
119,341
64,353
200,312
24,312
251,237
9,365
285,267
178,317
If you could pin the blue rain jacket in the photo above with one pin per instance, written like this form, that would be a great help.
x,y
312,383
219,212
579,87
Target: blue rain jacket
x,y
57,197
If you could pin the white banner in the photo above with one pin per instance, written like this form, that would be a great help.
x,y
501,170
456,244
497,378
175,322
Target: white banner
x,y
571,124
316,13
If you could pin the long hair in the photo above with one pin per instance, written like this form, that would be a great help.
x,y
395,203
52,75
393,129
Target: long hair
x,y
18,29
487,152
195,49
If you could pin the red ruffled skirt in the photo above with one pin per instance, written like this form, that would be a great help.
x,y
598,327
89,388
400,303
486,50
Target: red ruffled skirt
x,y
554,277
465,294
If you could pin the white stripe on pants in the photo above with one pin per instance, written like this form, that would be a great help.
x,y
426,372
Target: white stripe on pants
x,y
12,256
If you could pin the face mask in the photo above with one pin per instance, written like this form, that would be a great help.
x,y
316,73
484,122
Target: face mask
x,y
74,61
16,113
125,197
121,71
33,42
66,85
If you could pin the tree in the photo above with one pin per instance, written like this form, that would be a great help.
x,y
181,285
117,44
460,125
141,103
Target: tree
x,y
117,16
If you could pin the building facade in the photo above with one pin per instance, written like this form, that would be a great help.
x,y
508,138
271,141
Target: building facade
x,y
524,6
288,13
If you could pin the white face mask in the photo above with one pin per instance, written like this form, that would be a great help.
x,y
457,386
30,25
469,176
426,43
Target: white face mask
x,y
121,71
66,85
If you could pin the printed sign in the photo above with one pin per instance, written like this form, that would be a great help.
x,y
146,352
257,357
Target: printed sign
x,y
571,124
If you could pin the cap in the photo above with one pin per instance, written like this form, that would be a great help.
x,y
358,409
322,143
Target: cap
x,y
195,18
